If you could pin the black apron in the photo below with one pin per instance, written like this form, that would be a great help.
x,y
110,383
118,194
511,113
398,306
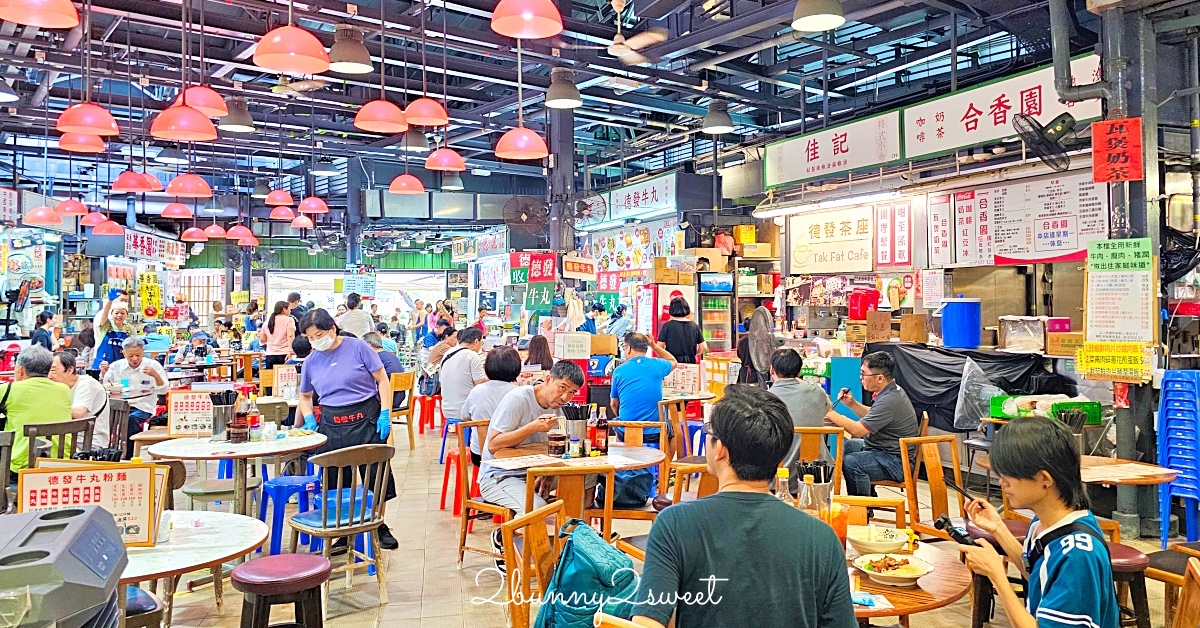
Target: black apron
x,y
348,426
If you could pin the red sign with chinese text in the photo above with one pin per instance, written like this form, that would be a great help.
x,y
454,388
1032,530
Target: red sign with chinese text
x,y
1117,151
609,281
542,267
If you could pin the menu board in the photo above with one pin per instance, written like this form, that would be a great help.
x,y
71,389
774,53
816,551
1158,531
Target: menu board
x,y
10,207
1120,293
1032,221
630,250
359,279
189,413
150,247
126,491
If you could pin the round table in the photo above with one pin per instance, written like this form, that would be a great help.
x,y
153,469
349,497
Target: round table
x,y
199,540
179,366
1154,475
949,581
641,457
208,449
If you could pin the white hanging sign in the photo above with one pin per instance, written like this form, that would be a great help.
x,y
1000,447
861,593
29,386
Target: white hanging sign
x,y
866,143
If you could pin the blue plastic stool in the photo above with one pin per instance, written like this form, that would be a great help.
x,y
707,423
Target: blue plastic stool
x,y
694,427
445,432
280,490
360,545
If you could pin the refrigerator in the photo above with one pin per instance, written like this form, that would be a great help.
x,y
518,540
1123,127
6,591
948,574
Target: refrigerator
x,y
715,319
653,301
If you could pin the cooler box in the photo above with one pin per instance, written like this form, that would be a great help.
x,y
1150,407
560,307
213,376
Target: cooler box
x,y
861,301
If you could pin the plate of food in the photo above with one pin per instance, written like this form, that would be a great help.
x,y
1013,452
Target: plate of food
x,y
871,539
899,570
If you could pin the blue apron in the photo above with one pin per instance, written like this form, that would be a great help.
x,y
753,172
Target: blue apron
x,y
109,348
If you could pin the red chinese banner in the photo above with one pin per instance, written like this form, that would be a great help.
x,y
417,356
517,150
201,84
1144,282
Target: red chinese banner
x,y
1117,151
542,267
609,281
579,268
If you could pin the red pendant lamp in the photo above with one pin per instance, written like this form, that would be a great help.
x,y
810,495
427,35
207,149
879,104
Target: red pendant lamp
x,y
43,217
183,123
527,19
521,144
249,241
426,111
215,231
153,181
381,115
302,222
446,160
279,198
188,185
282,212
71,207
312,205
237,232
130,182
108,227
193,234
87,118
93,219
81,143
406,184
204,99
291,50
177,211
56,14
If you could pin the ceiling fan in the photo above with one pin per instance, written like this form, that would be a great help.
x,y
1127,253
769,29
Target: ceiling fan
x,y
287,87
626,50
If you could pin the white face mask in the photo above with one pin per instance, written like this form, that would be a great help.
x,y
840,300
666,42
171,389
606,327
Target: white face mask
x,y
323,344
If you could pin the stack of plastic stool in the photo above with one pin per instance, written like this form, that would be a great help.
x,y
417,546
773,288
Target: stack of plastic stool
x,y
1179,448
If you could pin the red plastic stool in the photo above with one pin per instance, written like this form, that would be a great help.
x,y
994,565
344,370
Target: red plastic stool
x,y
425,416
452,462
437,401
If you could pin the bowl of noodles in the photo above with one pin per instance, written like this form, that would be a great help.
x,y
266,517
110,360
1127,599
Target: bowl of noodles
x,y
898,570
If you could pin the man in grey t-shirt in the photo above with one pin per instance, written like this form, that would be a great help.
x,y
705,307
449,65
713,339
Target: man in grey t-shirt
x,y
874,451
806,403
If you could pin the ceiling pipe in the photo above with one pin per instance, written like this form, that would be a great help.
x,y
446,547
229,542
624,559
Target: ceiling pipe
x,y
69,45
1060,50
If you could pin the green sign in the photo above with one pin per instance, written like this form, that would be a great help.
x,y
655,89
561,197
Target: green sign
x,y
518,276
539,296
609,300
1133,255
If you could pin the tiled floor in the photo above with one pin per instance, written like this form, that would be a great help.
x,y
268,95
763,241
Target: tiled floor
x,y
426,589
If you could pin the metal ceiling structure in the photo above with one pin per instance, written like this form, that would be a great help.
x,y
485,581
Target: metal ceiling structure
x,y
634,119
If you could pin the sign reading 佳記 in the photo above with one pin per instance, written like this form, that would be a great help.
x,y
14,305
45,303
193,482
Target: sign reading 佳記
x,y
1117,151
1120,292
866,143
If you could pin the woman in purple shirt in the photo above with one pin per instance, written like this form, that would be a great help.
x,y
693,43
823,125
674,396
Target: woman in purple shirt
x,y
349,379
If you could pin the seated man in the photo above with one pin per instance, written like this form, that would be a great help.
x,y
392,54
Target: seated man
x,y
197,347
391,364
874,451
389,345
32,398
88,397
806,403
637,385
743,557
142,374
301,347
461,370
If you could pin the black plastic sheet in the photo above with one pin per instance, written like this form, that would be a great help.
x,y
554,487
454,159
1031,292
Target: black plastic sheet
x,y
931,376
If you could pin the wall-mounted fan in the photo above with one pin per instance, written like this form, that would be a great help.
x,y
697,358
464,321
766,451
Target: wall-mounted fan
x,y
587,208
525,214
261,259
1050,142
231,257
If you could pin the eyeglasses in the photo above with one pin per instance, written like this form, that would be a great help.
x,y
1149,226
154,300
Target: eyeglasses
x,y
866,374
707,430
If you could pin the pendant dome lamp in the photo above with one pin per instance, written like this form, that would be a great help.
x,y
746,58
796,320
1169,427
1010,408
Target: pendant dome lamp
x,y
237,232
204,99
446,160
381,115
84,117
349,55
425,111
43,216
92,219
81,143
130,182
312,205
194,234
215,231
291,50
520,143
176,211
71,207
248,241
302,222
282,212
406,184
182,122
527,19
153,181
279,198
108,227
188,185
814,16
40,13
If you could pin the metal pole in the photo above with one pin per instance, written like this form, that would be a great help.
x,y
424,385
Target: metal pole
x,y
953,51
1194,64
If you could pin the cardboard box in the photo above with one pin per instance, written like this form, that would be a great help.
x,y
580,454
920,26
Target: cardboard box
x,y
603,344
1063,343
662,275
756,250
686,279
766,284
572,345
747,284
744,234
717,261
914,328
769,233
879,326
856,331
660,262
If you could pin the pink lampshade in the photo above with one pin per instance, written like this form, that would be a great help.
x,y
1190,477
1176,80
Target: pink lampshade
x,y
92,219
302,222
153,181
291,50
204,99
446,160
55,14
81,143
193,234
108,227
426,111
237,232
527,19
249,240
87,118
282,212
279,197
313,205
188,185
177,211
71,207
130,182
406,184
181,123
381,116
43,216
215,231
521,144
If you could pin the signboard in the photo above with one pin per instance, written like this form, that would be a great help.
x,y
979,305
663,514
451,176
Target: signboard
x,y
463,250
237,297
638,199
27,260
933,288
518,267
359,278
1117,151
493,243
150,247
1119,302
126,491
1035,221
150,293
1128,362
493,274
10,206
632,249
866,143
610,300
893,234
576,267
189,413
834,241
608,281
118,269
542,267
983,114
539,296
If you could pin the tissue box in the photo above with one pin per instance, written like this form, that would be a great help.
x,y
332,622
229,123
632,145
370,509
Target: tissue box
x,y
1024,334
572,346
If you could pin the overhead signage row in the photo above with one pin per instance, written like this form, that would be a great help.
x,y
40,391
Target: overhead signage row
x,y
153,248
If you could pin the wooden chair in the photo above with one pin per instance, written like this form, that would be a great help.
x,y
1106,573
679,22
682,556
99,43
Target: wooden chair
x,y
354,480
533,559
922,432
927,450
6,446
810,449
860,508
66,438
404,382
118,424
471,506
1187,614
635,545
1169,567
674,413
635,436
570,490
266,381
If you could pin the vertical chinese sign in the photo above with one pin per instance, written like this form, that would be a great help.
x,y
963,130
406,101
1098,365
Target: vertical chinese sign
x,y
542,273
518,268
1117,151
893,234
608,289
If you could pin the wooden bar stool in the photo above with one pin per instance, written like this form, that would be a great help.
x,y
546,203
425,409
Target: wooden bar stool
x,y
282,579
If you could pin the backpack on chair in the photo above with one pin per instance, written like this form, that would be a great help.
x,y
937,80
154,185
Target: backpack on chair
x,y
588,570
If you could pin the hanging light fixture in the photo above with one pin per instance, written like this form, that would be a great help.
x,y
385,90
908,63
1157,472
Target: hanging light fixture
x,y
452,182
302,222
193,234
182,123
204,99
291,50
215,231
348,55
446,160
237,232
171,155
262,188
323,167
88,119
238,119
717,121
81,143
815,16
71,207
176,211
188,185
562,93
521,143
213,206
406,184
414,142
54,14
279,197
282,212
425,111
381,115
7,93
92,219
43,216
249,241
527,19
108,227
313,205
130,182
153,181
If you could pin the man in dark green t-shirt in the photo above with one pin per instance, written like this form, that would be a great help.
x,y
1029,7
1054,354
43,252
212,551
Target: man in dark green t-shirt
x,y
742,557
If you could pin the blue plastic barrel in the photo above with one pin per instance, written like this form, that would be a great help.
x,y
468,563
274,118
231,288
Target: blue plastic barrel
x,y
962,323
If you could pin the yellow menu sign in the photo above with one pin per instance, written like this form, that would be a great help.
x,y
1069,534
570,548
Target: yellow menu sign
x,y
1128,362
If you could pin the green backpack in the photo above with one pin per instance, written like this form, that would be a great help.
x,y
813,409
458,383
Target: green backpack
x,y
591,576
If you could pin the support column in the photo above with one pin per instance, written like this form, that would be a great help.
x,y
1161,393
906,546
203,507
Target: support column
x,y
355,186
561,141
